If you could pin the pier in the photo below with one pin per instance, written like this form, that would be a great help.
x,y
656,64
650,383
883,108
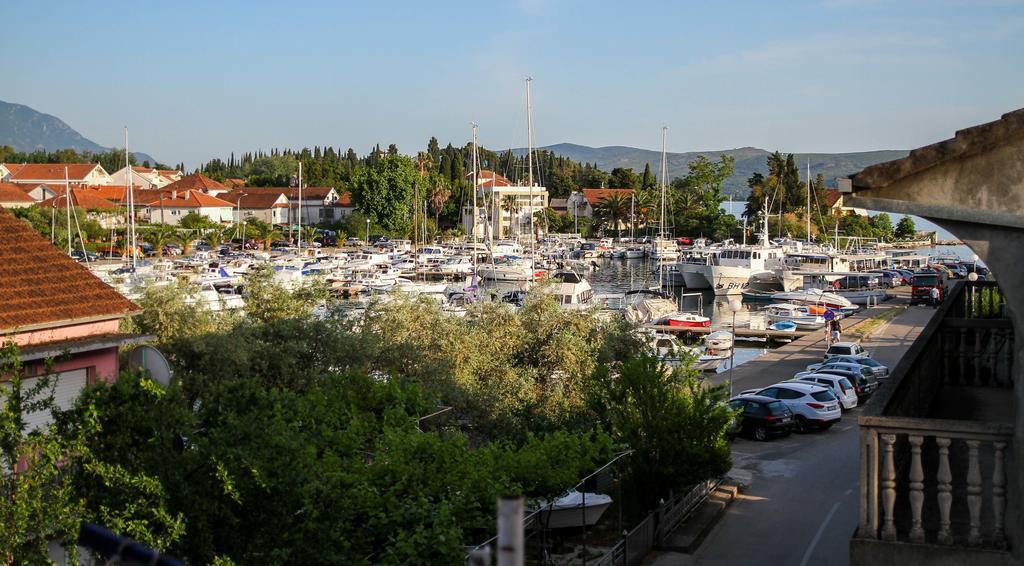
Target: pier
x,y
762,334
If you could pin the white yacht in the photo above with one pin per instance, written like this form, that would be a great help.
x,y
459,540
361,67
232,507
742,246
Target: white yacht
x,y
572,290
797,314
509,269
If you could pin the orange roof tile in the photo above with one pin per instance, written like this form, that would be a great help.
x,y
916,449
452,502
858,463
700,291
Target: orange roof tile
x,y
195,182
310,193
9,192
77,172
255,199
595,196
82,198
489,178
345,199
832,197
42,286
189,199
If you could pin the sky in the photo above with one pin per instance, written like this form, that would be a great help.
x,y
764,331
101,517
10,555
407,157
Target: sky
x,y
197,80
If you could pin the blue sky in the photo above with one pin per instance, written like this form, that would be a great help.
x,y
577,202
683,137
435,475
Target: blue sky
x,y
194,80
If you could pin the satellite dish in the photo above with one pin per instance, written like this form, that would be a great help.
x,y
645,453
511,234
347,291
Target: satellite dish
x,y
151,360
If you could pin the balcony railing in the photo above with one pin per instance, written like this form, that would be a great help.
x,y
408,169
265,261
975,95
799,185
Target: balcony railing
x,y
934,442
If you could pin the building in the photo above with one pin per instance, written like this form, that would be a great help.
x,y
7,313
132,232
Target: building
x,y
13,196
197,182
503,210
89,203
942,445
318,203
77,174
52,308
584,203
272,207
145,177
170,208
836,205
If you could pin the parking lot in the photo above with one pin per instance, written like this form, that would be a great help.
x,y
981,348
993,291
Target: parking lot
x,y
799,505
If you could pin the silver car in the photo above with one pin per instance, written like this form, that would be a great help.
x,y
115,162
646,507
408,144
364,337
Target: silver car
x,y
880,371
813,406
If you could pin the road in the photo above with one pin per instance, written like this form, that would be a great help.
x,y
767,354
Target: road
x,y
799,505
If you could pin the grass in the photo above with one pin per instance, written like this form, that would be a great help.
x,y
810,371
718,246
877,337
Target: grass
x,y
868,327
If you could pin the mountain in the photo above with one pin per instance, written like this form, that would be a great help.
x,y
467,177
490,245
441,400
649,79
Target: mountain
x,y
27,130
748,161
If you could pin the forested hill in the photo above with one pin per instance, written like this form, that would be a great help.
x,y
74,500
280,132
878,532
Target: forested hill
x,y
749,160
27,130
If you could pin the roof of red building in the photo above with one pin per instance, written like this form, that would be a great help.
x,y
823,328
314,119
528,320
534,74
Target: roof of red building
x,y
40,286
195,182
595,196
251,199
77,172
310,193
82,198
344,199
9,192
117,193
188,199
832,196
489,178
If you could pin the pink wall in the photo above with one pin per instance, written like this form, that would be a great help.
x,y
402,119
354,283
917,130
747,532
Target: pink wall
x,y
102,365
61,333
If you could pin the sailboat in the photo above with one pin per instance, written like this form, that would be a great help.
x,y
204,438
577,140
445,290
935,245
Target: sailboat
x,y
633,251
662,249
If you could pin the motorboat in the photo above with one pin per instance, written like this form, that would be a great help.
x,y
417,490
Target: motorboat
x,y
572,290
719,340
510,269
812,297
783,325
573,510
688,320
797,314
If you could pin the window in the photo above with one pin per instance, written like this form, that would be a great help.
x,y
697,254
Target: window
x,y
777,408
785,393
823,396
770,392
845,383
755,409
736,404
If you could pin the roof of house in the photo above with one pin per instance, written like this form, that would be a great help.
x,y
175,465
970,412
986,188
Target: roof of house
x,y
489,178
253,200
310,193
9,192
187,199
117,193
77,172
558,203
195,182
344,199
41,286
234,183
82,198
595,196
832,196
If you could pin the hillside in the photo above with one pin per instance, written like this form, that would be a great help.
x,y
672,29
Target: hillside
x,y
27,130
748,161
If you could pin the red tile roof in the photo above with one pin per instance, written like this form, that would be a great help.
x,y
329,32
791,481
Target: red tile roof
x,y
117,193
187,199
83,198
9,192
195,182
595,196
41,286
832,197
308,193
255,199
345,199
77,172
489,178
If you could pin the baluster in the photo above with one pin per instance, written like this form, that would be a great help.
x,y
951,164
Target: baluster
x,y
865,478
977,334
945,491
962,355
974,492
888,488
916,489
998,496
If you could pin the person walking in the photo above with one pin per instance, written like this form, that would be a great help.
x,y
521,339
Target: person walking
x,y
935,297
836,331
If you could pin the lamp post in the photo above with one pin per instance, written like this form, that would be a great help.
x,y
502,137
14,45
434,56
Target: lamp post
x,y
972,277
238,223
735,305
367,231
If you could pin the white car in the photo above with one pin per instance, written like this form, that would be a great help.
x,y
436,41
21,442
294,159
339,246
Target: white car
x,y
879,370
813,406
845,349
837,384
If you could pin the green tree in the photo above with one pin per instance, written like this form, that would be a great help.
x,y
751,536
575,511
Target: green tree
x,y
905,229
675,424
623,178
160,236
196,221
383,192
647,179
882,225
613,211
262,231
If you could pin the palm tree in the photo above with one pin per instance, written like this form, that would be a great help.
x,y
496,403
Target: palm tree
x,y
438,196
160,236
613,209
511,204
644,206
310,234
263,232
216,236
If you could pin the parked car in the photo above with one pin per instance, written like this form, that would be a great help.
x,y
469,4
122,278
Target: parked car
x,y
886,278
353,241
880,371
845,349
79,255
906,273
863,379
839,386
760,417
813,406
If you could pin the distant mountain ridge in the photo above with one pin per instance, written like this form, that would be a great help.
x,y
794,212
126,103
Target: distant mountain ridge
x,y
749,160
26,129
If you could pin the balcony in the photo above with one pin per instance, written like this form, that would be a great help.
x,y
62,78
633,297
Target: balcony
x,y
934,451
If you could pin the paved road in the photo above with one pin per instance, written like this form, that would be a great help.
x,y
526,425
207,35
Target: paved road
x,y
800,506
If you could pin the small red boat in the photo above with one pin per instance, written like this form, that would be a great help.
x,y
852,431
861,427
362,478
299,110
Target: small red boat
x,y
689,320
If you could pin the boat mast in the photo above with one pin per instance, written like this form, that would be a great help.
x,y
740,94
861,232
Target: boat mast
x,y
300,205
529,172
808,200
476,184
130,234
67,204
661,230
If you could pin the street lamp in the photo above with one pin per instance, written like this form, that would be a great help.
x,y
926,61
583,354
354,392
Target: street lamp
x,y
239,226
367,231
735,305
